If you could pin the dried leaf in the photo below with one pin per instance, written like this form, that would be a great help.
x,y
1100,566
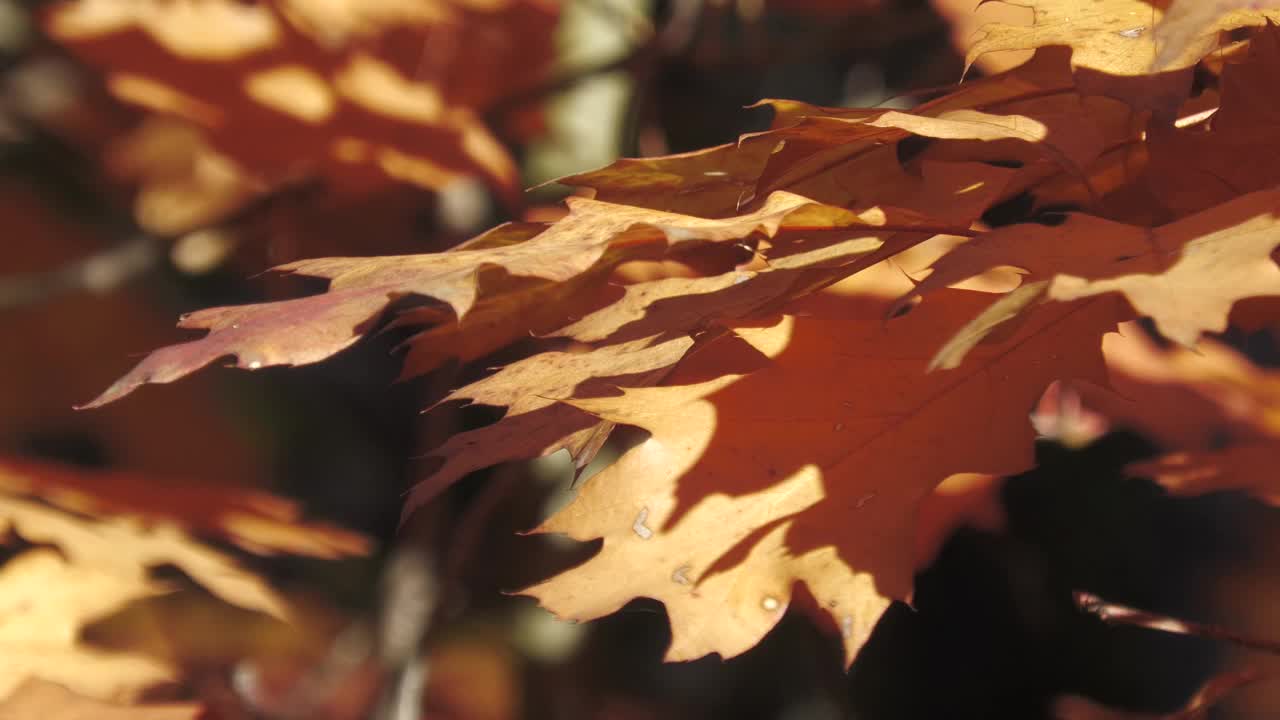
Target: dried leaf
x,y
1115,36
1214,412
309,329
254,520
639,338
536,423
750,483
48,600
1194,168
1186,275
85,569
102,565
796,433
1189,24
296,89
50,701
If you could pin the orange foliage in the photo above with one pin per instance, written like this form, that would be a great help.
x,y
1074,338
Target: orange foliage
x,y
839,330
356,94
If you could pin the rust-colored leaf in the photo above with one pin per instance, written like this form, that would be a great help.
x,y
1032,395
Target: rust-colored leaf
x,y
811,469
297,89
1234,150
1185,275
1215,413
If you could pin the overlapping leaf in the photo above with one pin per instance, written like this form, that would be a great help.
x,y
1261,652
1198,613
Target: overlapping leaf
x,y
255,521
577,252
1194,168
1115,36
638,338
1214,412
1031,115
797,434
1186,275
594,237
295,89
37,698
1186,21
86,568
809,467
49,596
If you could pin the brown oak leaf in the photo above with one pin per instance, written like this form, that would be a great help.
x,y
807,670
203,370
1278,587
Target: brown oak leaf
x,y
594,234
1186,275
811,469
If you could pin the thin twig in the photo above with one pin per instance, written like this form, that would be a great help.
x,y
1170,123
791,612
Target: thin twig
x,y
1116,614
560,83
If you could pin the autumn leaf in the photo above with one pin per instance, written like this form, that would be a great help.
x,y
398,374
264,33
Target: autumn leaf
x,y
1185,275
102,566
707,183
820,326
37,698
50,601
594,234
296,89
1213,412
967,17
1194,168
1031,115
85,568
810,469
1115,36
536,423
857,136
1114,44
1033,118
1187,21
255,521
638,339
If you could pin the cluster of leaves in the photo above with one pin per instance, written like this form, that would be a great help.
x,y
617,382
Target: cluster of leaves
x,y
247,98
832,328
93,544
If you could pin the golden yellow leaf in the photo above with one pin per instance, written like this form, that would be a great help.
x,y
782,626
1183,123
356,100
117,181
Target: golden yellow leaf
x,y
256,521
50,701
85,569
102,565
1116,36
594,233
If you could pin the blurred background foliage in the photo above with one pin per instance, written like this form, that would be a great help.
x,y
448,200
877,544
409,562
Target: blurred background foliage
x,y
124,205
